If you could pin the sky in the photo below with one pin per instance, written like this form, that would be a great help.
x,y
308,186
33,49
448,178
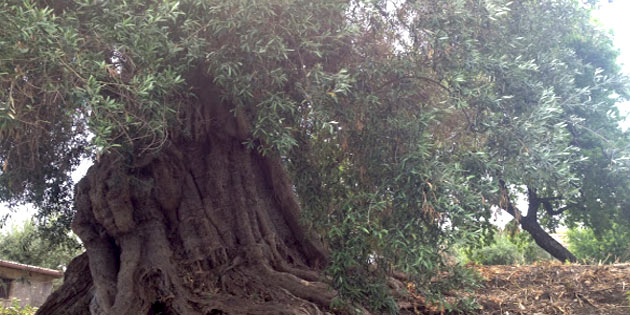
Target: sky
x,y
613,15
616,16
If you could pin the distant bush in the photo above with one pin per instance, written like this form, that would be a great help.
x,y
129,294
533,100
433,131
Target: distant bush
x,y
508,247
501,252
16,309
526,245
609,246
534,253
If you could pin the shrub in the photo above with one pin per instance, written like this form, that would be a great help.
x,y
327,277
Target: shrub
x,y
533,253
525,243
608,246
501,252
507,247
16,309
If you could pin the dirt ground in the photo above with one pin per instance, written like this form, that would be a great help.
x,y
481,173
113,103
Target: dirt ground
x,y
555,288
548,288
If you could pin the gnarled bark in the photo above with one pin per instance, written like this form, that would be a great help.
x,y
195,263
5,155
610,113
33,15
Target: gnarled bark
x,y
206,226
75,294
203,228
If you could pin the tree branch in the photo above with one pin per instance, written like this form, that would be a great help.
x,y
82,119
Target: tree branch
x,y
533,204
549,208
547,199
506,204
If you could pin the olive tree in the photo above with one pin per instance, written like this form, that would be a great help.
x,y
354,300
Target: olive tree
x,y
285,156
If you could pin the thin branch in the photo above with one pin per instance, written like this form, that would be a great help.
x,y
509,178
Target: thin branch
x,y
587,129
550,198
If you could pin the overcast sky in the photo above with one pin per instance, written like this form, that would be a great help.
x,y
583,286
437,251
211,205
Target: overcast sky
x,y
616,16
613,15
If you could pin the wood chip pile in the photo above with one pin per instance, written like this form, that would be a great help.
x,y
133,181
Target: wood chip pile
x,y
554,288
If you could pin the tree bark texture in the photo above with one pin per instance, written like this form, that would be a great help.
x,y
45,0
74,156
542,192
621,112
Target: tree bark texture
x,y
207,226
76,292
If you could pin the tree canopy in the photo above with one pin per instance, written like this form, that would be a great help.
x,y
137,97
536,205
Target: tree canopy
x,y
402,124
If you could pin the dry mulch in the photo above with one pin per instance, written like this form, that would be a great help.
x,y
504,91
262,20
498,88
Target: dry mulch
x,y
555,288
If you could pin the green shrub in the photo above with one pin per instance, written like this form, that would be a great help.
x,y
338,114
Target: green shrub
x,y
533,253
501,252
507,247
525,243
609,246
16,309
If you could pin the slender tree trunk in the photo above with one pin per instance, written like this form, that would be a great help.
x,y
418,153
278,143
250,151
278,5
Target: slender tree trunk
x,y
530,224
540,236
206,226
546,242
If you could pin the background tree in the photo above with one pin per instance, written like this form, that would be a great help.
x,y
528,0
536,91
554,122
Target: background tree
x,y
399,125
540,105
27,245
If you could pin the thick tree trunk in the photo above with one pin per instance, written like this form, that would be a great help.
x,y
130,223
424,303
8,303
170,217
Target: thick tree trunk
x,y
76,292
206,226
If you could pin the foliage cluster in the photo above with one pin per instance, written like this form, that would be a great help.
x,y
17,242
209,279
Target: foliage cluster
x,y
512,246
608,246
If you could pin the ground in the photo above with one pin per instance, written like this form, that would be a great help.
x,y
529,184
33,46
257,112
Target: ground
x,y
554,288
542,289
